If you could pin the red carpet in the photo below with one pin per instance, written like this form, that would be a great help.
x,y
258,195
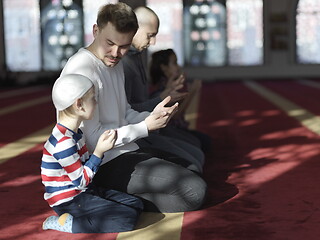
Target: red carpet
x,y
262,170
268,156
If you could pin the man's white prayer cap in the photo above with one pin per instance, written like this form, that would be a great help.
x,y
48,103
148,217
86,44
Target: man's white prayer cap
x,y
68,88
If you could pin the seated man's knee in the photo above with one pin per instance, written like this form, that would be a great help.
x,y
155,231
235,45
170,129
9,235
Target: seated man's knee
x,y
195,193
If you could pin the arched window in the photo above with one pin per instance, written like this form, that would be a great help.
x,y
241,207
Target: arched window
x,y
307,30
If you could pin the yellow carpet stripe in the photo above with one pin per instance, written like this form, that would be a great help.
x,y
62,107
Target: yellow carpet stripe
x,y
150,227
309,83
306,118
20,106
19,92
22,145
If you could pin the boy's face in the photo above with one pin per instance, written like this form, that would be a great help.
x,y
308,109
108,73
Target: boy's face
x,y
110,45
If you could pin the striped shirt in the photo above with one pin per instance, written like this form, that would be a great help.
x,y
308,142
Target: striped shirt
x,y
66,169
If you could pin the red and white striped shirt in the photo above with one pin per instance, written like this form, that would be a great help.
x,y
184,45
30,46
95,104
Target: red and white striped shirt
x,y
66,167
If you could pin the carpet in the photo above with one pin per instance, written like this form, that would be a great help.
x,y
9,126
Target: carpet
x,y
262,169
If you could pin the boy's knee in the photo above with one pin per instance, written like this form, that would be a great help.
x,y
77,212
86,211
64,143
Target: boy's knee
x,y
138,204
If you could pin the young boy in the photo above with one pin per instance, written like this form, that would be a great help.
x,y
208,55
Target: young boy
x,y
67,169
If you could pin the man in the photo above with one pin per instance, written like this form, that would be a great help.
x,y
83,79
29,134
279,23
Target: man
x,y
161,180
171,139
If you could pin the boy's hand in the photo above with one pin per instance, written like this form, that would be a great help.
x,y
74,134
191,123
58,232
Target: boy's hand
x,y
105,142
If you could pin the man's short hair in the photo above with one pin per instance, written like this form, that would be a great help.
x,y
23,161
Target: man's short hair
x,y
119,15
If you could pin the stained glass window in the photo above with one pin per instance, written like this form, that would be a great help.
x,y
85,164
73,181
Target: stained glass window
x,y
307,30
22,35
245,32
213,32
205,33
61,31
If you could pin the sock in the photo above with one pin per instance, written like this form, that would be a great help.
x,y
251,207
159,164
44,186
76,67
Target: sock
x,y
62,223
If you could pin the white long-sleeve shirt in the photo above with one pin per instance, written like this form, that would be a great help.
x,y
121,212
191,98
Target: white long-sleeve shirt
x,y
113,110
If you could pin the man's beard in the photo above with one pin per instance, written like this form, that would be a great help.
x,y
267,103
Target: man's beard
x,y
110,62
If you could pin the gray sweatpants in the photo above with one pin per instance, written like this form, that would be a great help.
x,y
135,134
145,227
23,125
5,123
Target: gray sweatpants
x,y
162,180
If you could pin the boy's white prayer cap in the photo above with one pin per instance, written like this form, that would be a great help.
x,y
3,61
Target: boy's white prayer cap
x,y
68,88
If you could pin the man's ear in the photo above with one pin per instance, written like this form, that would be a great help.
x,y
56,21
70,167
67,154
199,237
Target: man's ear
x,y
95,30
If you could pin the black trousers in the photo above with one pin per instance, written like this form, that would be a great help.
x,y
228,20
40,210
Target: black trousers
x,y
162,180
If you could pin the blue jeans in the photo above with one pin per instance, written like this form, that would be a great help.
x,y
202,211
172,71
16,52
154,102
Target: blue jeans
x,y
100,210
